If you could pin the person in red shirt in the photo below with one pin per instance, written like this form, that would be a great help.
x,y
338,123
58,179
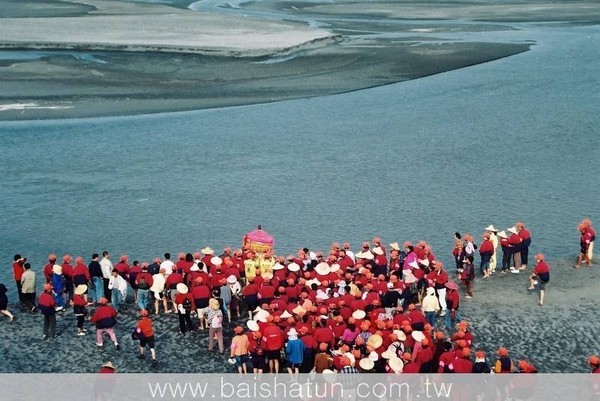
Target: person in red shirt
x,y
486,250
586,243
541,274
81,275
144,332
462,363
18,270
48,267
515,242
594,362
273,344
67,271
439,277
47,304
79,304
105,320
525,236
185,305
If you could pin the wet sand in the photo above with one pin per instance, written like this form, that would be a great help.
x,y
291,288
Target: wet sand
x,y
557,337
187,60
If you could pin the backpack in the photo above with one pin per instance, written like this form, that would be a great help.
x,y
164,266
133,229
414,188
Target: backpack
x,y
143,284
187,304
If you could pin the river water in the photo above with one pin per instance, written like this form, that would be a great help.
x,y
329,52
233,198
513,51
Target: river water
x,y
514,139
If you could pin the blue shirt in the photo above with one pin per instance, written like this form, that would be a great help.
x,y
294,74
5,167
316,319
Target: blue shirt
x,y
295,351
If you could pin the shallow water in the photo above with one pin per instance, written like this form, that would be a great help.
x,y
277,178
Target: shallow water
x,y
509,140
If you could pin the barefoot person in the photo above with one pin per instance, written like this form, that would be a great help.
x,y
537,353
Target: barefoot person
x,y
144,332
586,243
541,274
4,303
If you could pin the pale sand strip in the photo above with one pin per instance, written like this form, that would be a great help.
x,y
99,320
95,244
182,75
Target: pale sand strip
x,y
160,28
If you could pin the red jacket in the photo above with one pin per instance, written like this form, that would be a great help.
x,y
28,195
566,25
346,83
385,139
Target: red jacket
x,y
173,280
17,271
81,274
48,271
462,365
46,303
452,300
514,240
273,337
486,247
67,270
146,276
104,317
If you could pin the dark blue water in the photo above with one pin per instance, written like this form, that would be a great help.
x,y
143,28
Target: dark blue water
x,y
514,139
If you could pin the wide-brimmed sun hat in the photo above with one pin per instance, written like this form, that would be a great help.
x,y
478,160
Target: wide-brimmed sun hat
x,y
396,364
375,341
81,289
378,251
109,365
214,304
57,269
366,364
216,261
293,267
513,230
491,228
207,251
322,269
395,246
182,288
231,279
417,335
502,234
252,325
359,314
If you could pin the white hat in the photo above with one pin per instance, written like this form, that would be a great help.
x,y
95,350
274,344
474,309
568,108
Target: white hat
x,y
292,332
378,251
298,310
373,356
334,267
430,291
293,267
231,279
278,266
395,246
424,262
81,289
57,269
388,354
359,314
321,295
182,288
309,283
258,309
368,255
400,334
359,255
194,268
366,364
418,336
351,357
216,261
322,269
285,315
252,325
207,251
267,275
502,234
261,316
491,228
375,341
410,278
513,230
396,364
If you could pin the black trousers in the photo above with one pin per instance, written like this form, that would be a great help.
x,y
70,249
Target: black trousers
x,y
185,322
50,325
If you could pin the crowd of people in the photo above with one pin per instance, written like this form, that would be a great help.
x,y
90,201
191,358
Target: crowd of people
x,y
393,310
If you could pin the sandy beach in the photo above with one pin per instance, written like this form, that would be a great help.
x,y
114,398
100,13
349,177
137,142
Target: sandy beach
x,y
557,337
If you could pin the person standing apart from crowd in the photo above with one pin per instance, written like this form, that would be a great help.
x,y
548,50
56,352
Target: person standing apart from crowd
x,y
494,238
467,276
525,236
107,268
541,274
4,303
453,302
18,270
586,243
105,320
95,271
144,332
28,287
47,305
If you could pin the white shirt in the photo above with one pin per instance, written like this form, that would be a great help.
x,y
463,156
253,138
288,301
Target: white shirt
x,y
107,268
118,283
168,266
